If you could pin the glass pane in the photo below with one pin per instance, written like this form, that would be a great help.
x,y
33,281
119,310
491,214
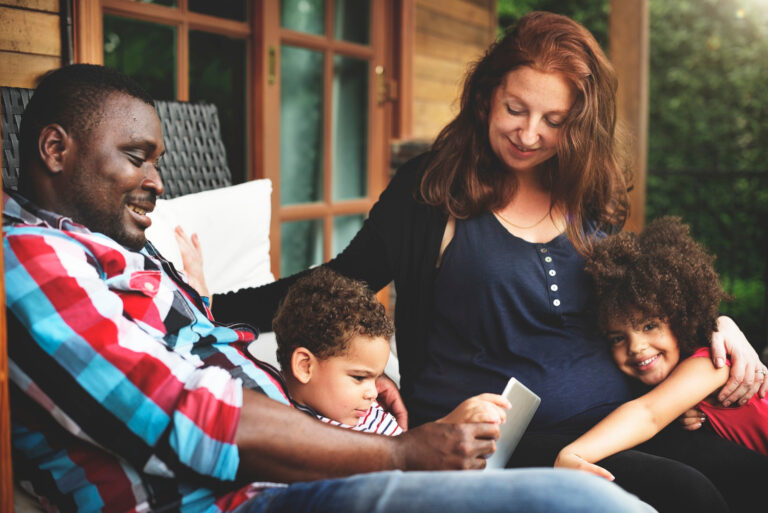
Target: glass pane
x,y
301,245
344,229
301,125
217,69
144,51
352,20
230,9
350,128
303,15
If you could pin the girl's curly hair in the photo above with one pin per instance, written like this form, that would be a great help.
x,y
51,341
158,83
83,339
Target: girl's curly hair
x,y
323,311
661,273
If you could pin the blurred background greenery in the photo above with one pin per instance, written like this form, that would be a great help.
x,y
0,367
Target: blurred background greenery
x,y
708,130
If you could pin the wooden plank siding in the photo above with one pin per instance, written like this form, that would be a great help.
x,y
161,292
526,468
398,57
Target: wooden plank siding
x,y
30,40
449,35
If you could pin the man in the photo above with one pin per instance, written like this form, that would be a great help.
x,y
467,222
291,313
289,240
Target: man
x,y
127,396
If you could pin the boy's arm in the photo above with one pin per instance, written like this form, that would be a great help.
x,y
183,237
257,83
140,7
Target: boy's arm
x,y
480,408
639,420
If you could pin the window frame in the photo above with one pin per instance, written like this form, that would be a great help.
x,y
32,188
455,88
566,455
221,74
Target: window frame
x,y
389,117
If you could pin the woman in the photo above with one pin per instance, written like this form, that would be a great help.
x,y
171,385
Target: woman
x,y
484,237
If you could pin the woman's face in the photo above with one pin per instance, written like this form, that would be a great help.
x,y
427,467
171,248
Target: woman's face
x,y
527,113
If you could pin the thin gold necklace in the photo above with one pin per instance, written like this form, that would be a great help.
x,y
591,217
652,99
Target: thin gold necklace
x,y
510,223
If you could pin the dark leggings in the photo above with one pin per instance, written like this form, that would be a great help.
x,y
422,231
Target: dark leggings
x,y
676,471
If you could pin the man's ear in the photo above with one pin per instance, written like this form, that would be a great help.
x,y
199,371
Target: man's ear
x,y
303,363
52,146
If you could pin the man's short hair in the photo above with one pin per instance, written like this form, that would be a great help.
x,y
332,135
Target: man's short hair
x,y
323,312
73,97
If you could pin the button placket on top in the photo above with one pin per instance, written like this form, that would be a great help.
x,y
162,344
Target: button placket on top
x,y
549,266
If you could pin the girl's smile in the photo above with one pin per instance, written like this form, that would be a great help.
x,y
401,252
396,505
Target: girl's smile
x,y
646,350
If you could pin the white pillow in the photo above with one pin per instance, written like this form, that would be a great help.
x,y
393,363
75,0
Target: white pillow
x,y
233,226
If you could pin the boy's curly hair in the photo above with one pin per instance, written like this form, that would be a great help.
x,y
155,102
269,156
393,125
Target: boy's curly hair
x,y
323,311
661,273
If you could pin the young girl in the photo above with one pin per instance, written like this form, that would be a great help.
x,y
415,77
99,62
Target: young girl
x,y
657,298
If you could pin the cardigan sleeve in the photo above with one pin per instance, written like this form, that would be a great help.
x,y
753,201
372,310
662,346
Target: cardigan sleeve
x,y
372,255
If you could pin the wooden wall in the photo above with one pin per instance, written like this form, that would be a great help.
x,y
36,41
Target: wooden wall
x,y
30,40
449,34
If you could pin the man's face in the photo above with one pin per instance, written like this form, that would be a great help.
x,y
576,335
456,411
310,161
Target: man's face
x,y
114,179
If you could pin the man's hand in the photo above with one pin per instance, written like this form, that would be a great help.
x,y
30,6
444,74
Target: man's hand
x,y
434,446
389,398
574,461
747,371
480,408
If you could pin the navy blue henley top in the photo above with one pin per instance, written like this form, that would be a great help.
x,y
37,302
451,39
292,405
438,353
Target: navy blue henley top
x,y
507,307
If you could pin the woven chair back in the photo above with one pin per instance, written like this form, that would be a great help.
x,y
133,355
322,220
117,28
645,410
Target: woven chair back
x,y
195,159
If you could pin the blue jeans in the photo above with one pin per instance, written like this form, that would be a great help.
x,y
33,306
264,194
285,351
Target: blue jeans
x,y
515,491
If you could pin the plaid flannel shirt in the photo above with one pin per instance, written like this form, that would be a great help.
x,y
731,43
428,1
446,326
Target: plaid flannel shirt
x,y
126,395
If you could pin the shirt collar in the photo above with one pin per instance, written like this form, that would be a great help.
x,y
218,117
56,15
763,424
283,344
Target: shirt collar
x,y
19,210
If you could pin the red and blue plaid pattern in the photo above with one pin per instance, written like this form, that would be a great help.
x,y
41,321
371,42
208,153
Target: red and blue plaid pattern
x,y
126,394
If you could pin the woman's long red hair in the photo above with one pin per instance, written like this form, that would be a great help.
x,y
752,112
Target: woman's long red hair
x,y
586,177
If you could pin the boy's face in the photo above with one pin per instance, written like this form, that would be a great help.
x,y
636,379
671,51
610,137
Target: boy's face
x,y
343,387
647,351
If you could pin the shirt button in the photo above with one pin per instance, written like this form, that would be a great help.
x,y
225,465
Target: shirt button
x,y
552,272
554,288
556,302
543,250
548,259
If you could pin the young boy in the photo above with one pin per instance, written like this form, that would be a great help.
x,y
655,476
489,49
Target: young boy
x,y
333,343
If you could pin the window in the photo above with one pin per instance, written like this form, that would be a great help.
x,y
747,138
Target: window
x,y
298,85
188,50
331,139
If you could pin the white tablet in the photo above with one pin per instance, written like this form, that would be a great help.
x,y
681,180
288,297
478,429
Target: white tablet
x,y
524,405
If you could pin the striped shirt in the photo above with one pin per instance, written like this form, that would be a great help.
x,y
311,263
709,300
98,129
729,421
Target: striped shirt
x,y
126,394
376,420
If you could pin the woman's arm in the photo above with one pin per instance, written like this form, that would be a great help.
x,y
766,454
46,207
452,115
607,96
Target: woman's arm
x,y
744,380
639,420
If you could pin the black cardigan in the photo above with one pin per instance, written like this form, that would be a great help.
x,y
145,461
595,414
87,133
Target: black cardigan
x,y
399,241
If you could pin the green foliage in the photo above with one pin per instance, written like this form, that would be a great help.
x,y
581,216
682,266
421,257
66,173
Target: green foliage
x,y
709,101
593,14
727,213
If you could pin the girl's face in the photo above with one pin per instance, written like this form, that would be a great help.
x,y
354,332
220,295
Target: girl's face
x,y
526,117
647,351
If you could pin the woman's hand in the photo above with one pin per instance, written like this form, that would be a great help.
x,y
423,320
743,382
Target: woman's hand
x,y
576,462
747,371
389,399
480,408
192,259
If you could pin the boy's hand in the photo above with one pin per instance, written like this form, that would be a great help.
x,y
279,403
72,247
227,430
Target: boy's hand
x,y
192,259
480,408
576,462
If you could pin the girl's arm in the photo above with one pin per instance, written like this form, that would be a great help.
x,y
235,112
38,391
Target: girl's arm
x,y
637,421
